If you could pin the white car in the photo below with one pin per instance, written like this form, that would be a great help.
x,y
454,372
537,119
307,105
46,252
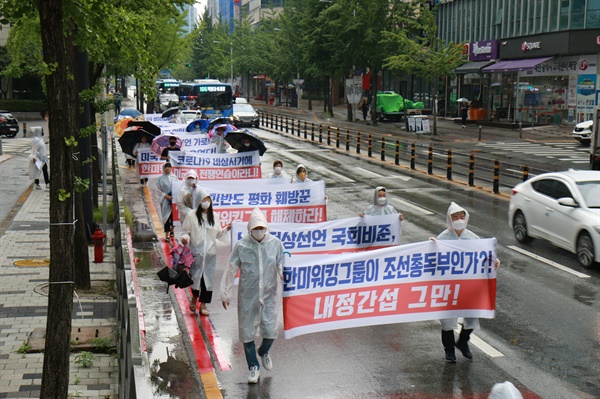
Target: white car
x,y
583,132
241,100
561,207
191,114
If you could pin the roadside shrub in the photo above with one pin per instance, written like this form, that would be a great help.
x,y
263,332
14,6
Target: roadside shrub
x,y
22,105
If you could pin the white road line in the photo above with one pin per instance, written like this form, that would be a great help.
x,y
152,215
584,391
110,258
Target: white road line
x,y
410,205
369,172
405,178
483,346
324,171
548,261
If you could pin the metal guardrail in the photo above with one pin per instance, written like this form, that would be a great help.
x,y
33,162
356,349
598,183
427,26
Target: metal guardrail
x,y
476,170
134,372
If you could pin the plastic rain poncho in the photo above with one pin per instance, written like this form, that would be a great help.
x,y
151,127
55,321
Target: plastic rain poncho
x,y
38,156
203,242
219,140
163,186
376,209
470,323
260,265
505,390
306,179
186,189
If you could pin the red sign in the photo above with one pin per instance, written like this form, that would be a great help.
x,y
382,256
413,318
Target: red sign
x,y
597,40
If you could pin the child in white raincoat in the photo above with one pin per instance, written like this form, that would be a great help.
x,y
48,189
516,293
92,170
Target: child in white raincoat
x,y
259,258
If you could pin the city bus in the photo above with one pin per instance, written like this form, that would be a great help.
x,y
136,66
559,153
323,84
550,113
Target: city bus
x,y
213,98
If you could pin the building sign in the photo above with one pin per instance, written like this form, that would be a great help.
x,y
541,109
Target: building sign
x,y
483,51
556,66
528,46
548,45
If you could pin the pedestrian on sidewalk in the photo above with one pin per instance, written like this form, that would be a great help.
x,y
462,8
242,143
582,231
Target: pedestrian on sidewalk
x,y
38,159
457,219
188,190
381,205
164,187
258,256
464,112
140,146
117,99
363,104
204,228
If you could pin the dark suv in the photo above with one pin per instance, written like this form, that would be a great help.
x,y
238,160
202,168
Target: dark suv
x,y
9,125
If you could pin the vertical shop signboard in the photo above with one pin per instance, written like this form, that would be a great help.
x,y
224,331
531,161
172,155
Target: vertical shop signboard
x,y
586,88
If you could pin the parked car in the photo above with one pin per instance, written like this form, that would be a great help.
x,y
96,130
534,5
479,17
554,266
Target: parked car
x,y
191,114
244,115
583,132
561,207
9,125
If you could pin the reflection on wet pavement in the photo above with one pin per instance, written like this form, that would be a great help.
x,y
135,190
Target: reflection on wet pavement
x,y
172,375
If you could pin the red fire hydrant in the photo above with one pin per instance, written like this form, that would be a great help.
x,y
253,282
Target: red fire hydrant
x,y
98,238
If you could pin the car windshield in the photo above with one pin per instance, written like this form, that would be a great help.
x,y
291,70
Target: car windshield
x,y
590,190
243,108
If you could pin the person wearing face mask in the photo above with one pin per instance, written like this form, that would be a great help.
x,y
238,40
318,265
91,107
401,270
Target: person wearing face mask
x,y
38,159
190,187
164,155
248,146
140,146
259,257
301,175
204,228
457,219
163,187
278,172
380,205
218,138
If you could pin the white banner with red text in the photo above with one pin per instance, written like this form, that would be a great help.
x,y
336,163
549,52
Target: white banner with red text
x,y
281,202
415,282
334,236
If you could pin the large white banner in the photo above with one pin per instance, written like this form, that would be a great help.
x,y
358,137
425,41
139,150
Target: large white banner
x,y
280,201
414,282
334,236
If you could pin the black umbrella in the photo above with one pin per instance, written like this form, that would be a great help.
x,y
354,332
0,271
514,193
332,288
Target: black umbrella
x,y
131,136
170,112
146,125
236,139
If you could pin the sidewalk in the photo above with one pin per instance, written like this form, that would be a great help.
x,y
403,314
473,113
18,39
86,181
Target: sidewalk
x,y
24,253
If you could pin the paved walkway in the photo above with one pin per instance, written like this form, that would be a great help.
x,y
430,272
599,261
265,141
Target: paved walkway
x,y
24,239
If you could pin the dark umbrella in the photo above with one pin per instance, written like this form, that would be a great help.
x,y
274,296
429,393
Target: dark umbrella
x,y
131,136
170,112
146,125
219,121
236,139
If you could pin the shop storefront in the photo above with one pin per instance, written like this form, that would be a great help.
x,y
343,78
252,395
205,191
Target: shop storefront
x,y
546,78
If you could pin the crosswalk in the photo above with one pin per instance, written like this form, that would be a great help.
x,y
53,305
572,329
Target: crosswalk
x,y
571,152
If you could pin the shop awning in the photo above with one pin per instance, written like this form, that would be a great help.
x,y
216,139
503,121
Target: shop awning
x,y
472,67
515,65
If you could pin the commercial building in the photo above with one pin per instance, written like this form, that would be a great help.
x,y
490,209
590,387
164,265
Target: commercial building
x,y
529,61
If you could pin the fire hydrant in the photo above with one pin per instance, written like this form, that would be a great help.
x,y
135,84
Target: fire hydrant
x,y
98,238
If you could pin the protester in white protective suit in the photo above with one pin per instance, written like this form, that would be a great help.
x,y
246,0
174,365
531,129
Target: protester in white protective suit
x,y
204,227
301,175
457,219
505,390
279,173
259,258
381,205
163,186
189,187
38,159
218,138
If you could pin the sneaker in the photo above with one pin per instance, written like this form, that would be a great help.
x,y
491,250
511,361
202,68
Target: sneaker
x,y
266,361
38,187
254,375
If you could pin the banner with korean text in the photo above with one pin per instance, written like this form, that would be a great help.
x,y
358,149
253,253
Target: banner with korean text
x,y
422,281
148,163
281,202
334,236
244,165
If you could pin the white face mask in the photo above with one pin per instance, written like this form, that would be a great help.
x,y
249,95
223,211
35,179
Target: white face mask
x,y
190,182
258,234
381,200
205,204
459,224
278,169
246,144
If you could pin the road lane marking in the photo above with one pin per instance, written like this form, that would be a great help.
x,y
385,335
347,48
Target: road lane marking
x,y
548,261
483,346
369,172
405,178
411,205
324,171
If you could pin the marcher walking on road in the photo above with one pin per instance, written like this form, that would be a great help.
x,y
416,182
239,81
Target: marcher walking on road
x,y
164,155
204,227
457,219
248,146
218,138
38,159
381,205
505,390
278,172
140,146
259,258
301,175
189,189
163,186
464,112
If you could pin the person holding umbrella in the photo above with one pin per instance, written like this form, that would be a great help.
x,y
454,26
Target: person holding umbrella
x,y
218,137
164,155
139,146
163,186
248,146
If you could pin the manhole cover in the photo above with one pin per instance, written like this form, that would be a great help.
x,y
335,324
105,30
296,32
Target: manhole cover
x,y
33,262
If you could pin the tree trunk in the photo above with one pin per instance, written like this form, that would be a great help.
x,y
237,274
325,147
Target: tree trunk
x,y
58,50
309,87
330,97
